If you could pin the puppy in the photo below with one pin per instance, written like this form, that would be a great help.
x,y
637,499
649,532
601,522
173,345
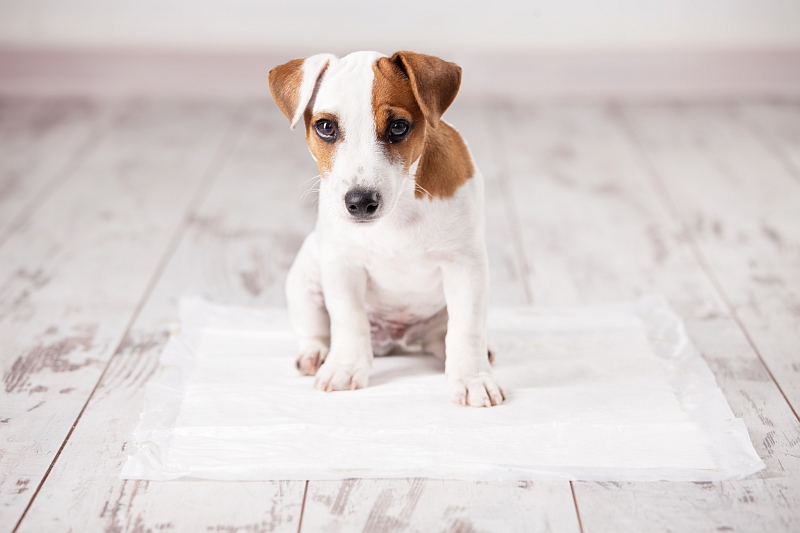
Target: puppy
x,y
397,259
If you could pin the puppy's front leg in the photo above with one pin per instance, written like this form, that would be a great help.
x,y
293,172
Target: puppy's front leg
x,y
350,357
469,375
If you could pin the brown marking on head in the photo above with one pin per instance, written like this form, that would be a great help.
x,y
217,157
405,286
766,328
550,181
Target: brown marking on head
x,y
393,99
419,89
294,84
434,81
284,84
446,164
322,150
294,87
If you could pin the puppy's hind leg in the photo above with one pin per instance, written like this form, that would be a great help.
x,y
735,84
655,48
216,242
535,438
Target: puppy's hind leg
x,y
307,308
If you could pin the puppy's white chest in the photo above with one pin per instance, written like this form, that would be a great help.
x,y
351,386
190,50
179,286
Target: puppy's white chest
x,y
404,289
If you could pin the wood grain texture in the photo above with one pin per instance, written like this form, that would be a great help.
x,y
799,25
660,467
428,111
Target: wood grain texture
x,y
740,205
72,277
595,229
421,505
743,506
574,215
41,143
115,506
237,248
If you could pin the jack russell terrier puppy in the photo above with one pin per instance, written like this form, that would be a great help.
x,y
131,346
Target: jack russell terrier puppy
x,y
397,259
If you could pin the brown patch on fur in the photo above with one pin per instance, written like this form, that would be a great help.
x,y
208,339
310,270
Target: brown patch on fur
x,y
284,84
323,151
446,164
393,99
435,82
419,88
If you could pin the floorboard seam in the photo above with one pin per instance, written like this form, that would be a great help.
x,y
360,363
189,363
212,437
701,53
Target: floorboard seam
x,y
575,502
302,508
504,179
663,193
220,158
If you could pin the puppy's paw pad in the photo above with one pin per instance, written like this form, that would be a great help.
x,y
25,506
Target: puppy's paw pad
x,y
477,390
309,360
332,377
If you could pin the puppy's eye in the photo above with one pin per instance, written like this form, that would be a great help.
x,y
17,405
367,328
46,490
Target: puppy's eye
x,y
398,130
326,129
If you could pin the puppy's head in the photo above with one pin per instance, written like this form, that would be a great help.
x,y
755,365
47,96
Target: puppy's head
x,y
367,118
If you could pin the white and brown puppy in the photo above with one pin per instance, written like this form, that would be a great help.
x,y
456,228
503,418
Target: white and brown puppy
x,y
397,259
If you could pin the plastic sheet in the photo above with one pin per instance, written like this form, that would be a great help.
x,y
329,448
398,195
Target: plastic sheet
x,y
612,392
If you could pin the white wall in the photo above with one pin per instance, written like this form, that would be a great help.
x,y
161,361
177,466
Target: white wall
x,y
437,26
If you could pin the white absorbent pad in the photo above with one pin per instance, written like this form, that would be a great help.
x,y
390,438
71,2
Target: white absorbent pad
x,y
611,392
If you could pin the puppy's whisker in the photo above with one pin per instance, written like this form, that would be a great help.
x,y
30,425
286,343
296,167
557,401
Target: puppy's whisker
x,y
305,194
400,198
309,179
418,186
423,189
324,197
312,189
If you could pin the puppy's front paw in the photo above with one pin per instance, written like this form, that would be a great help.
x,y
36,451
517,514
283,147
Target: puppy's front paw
x,y
477,389
311,358
333,376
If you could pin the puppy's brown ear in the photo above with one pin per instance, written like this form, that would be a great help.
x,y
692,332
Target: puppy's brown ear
x,y
435,82
293,84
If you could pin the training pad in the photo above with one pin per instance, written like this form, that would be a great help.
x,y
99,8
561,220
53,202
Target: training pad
x,y
611,392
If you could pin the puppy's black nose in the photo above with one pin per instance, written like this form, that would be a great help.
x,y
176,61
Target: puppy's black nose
x,y
362,203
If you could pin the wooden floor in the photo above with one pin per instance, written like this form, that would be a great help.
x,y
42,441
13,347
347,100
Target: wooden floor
x,y
111,210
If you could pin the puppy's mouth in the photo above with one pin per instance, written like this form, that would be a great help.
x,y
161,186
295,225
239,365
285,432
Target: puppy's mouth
x,y
363,205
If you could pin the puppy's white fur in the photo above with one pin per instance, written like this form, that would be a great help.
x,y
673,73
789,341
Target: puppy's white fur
x,y
415,277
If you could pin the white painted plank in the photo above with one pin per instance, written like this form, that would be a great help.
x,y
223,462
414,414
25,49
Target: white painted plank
x,y
768,505
595,230
41,142
422,505
742,208
179,506
71,278
237,249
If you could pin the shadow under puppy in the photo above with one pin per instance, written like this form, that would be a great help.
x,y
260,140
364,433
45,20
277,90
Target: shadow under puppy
x,y
397,258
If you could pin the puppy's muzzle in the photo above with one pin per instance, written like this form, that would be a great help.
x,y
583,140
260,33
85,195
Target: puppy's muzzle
x,y
362,204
